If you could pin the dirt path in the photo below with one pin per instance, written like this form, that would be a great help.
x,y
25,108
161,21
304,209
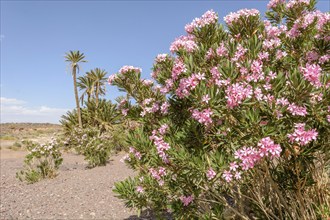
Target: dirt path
x,y
76,193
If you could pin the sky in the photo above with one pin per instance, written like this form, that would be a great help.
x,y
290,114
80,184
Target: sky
x,y
36,85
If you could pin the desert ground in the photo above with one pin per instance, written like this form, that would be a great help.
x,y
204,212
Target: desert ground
x,y
76,193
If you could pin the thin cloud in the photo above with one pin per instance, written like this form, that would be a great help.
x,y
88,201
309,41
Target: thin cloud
x,y
7,101
14,110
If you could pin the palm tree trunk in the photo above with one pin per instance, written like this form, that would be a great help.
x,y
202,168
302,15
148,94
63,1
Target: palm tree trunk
x,y
76,95
97,95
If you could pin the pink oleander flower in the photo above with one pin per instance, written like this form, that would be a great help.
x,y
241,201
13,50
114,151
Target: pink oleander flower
x,y
238,175
222,50
323,59
215,73
297,110
257,74
236,93
274,3
139,189
206,98
233,166
312,73
258,94
161,57
161,146
188,84
186,200
267,147
186,43
282,101
158,174
203,117
209,17
263,56
178,68
280,54
164,108
210,174
147,82
271,44
234,17
138,155
302,136
312,56
227,175
163,129
126,69
273,32
240,52
248,156
112,78
292,3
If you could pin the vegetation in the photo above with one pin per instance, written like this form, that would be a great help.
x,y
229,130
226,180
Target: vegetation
x,y
42,162
239,125
74,58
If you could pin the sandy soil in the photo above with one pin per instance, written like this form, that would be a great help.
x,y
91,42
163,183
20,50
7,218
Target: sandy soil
x,y
76,193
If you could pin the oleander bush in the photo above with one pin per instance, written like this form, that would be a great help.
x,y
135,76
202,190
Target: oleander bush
x,y
42,161
236,124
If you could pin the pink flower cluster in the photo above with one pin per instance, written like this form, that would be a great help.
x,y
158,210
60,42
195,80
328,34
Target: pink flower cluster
x,y
257,73
238,92
149,106
112,78
297,110
203,117
158,174
222,51
147,82
186,200
292,3
178,68
267,148
209,17
248,157
312,73
234,17
186,43
210,174
139,189
161,145
136,153
161,57
274,3
188,84
240,52
164,108
301,136
126,69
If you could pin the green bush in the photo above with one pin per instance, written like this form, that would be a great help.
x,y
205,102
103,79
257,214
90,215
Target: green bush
x,y
41,162
239,123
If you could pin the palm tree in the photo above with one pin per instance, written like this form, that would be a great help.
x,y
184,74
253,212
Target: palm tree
x,y
75,57
86,84
99,81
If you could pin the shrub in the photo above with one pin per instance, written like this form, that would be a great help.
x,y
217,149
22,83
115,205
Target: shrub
x,y
94,145
41,162
239,123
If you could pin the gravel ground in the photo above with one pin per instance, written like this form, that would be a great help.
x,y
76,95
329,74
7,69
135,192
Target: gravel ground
x,y
76,193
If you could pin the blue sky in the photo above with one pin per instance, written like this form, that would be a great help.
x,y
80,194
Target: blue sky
x,y
35,83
